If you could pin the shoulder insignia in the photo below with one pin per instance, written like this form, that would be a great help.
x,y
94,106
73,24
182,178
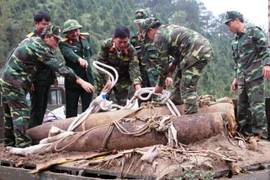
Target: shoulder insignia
x,y
64,39
30,34
85,33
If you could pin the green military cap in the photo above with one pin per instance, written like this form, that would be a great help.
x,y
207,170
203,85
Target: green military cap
x,y
141,14
232,15
52,30
148,23
70,25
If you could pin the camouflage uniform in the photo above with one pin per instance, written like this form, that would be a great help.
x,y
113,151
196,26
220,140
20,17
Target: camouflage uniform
x,y
16,79
147,55
191,51
72,50
127,66
250,54
149,63
39,97
137,41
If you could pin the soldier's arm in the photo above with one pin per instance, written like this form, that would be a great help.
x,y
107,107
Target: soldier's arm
x,y
134,69
57,65
163,61
235,56
262,46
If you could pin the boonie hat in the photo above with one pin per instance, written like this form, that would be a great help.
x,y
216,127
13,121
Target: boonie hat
x,y
148,23
232,15
141,14
52,30
70,25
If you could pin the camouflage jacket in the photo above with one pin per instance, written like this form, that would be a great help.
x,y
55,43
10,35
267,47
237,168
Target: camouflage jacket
x,y
181,43
46,75
72,50
125,62
147,55
24,62
250,52
149,62
137,42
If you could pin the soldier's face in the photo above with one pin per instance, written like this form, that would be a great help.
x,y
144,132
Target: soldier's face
x,y
51,41
120,43
41,25
74,34
234,25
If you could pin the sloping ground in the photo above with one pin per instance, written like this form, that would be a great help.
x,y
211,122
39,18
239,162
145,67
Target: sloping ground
x,y
217,154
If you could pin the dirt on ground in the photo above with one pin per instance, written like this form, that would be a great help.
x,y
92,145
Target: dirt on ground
x,y
220,154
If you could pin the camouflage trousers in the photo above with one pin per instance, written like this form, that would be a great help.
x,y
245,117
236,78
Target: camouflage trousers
x,y
188,77
251,116
16,117
119,93
175,88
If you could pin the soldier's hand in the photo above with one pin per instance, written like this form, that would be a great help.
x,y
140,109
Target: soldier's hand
x,y
32,89
55,83
83,63
168,82
158,89
234,85
107,86
137,87
86,85
266,72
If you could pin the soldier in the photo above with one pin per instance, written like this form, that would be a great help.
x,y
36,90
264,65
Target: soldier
x,y
252,64
138,40
76,49
16,79
45,78
147,55
188,48
118,53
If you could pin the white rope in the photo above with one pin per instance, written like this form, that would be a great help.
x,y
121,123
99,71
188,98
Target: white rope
x,y
165,96
97,65
101,103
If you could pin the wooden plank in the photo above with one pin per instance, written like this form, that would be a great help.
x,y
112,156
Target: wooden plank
x,y
60,172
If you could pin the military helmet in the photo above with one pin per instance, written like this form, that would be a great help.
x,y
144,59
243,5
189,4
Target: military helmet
x,y
149,23
70,25
141,14
232,15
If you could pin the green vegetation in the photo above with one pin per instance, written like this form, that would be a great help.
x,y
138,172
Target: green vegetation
x,y
192,173
99,18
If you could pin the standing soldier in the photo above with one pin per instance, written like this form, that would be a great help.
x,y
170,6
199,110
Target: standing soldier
x,y
138,40
17,77
188,48
45,77
147,54
118,53
252,64
76,49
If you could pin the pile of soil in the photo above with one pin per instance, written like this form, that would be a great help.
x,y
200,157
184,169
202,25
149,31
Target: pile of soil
x,y
219,154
